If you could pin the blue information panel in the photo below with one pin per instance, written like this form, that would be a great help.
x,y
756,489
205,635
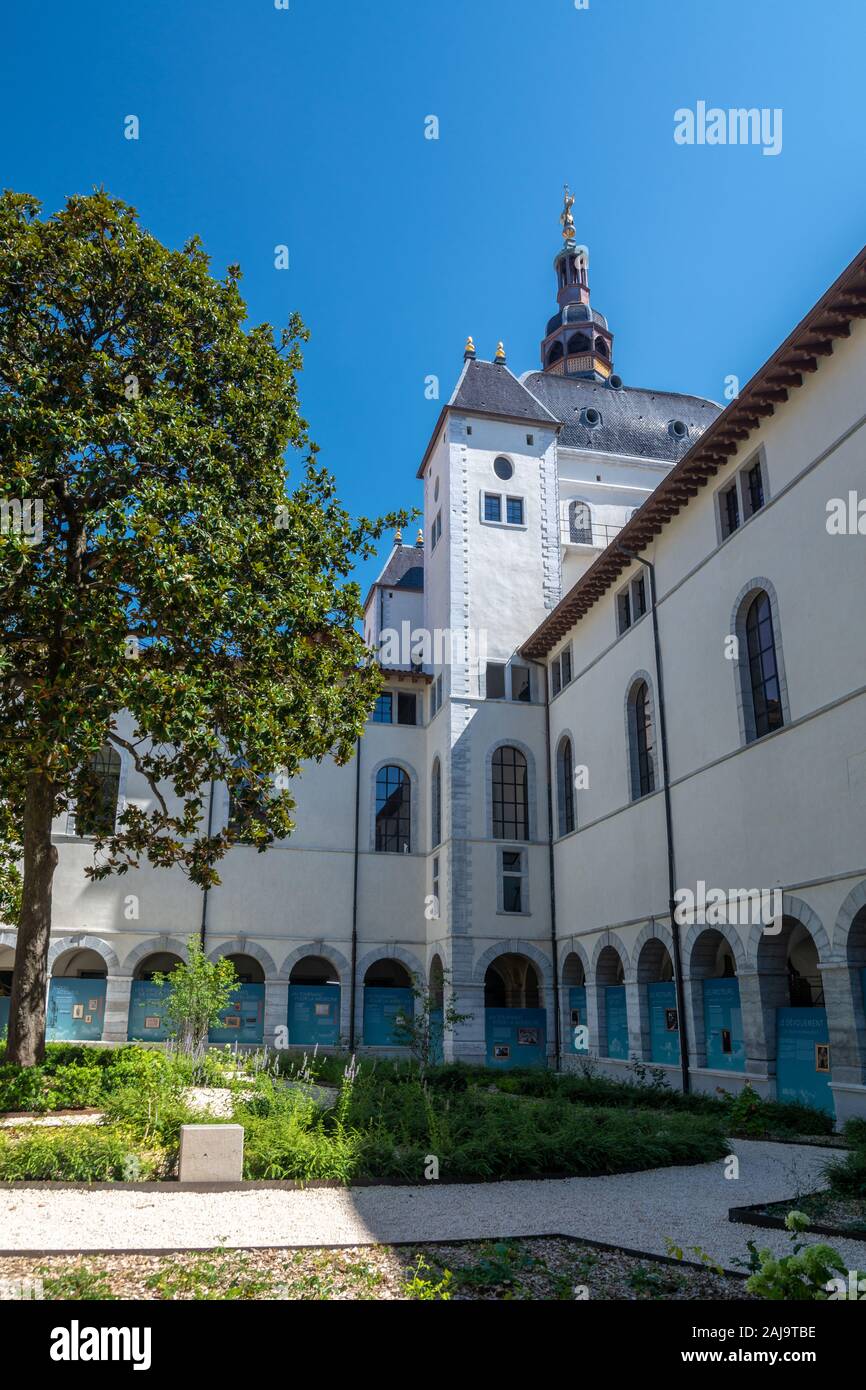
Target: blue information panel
x,y
723,1025
617,1021
243,1020
76,1010
437,1036
577,1019
664,1023
516,1037
147,1012
803,1057
381,1007
4,1012
314,1015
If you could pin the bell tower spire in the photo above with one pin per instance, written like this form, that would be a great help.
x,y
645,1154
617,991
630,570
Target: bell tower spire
x,y
578,341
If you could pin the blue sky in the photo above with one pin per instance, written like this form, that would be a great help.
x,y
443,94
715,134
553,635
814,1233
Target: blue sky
x,y
305,127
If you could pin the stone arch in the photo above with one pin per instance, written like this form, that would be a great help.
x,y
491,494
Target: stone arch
x,y
652,954
730,935
390,952
414,802
573,948
610,938
82,942
155,946
742,680
801,911
531,787
242,946
325,952
771,954
607,949
853,904
515,948
651,931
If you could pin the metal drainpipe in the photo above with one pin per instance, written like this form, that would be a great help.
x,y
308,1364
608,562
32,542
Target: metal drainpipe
x,y
205,891
557,1030
669,831
353,988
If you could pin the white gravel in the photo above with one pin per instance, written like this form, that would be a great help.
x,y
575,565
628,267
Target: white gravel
x,y
635,1210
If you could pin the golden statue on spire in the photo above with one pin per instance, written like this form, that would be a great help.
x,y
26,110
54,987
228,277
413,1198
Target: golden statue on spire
x,y
566,218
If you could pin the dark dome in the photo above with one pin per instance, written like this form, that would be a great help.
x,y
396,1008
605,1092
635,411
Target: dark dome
x,y
575,313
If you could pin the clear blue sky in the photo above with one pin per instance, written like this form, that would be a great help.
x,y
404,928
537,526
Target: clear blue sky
x,y
306,127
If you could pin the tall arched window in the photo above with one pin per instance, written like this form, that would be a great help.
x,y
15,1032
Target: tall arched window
x,y
565,785
97,810
641,741
580,523
763,667
393,791
510,795
436,803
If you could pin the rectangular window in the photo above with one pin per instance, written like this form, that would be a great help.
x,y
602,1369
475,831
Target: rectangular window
x,y
754,488
492,507
530,439
495,686
555,676
436,530
406,709
432,699
520,688
623,611
565,662
438,692
383,709
638,595
436,886
729,505
512,881
514,511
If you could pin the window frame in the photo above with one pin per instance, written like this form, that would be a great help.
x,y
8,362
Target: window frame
x,y
503,498
520,874
404,815
509,813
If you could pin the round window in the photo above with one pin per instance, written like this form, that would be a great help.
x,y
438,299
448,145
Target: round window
x,y
503,468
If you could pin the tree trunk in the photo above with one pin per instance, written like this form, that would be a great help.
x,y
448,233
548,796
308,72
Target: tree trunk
x,y
26,1042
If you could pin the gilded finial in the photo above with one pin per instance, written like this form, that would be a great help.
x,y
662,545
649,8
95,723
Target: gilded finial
x,y
500,354
398,539
420,538
469,350
566,217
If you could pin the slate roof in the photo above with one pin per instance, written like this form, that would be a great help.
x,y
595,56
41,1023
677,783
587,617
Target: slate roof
x,y
633,421
404,569
492,388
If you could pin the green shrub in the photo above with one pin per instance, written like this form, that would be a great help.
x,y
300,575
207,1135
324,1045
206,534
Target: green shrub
x,y
83,1153
75,1086
847,1176
854,1133
804,1275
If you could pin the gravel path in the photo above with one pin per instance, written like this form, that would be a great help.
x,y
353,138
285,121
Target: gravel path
x,y
635,1210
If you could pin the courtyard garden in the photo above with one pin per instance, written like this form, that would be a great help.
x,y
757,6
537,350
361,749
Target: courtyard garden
x,y
115,1114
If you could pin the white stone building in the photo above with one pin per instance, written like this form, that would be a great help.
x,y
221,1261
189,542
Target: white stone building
x,y
624,662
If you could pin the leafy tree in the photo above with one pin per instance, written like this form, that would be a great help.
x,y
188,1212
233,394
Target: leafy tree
x,y
199,989
10,873
433,1015
172,575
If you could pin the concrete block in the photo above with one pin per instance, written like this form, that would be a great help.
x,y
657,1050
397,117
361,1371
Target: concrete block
x,y
211,1153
